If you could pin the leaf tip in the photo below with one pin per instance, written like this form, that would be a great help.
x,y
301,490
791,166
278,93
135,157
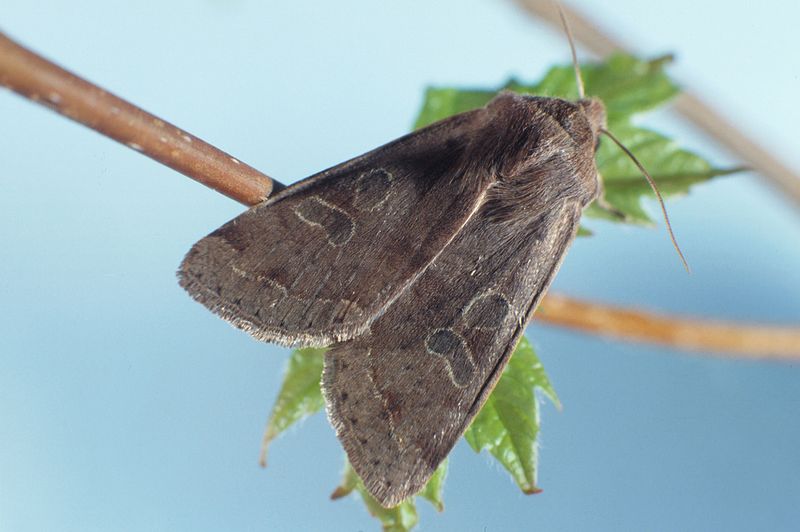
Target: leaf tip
x,y
262,454
532,490
339,492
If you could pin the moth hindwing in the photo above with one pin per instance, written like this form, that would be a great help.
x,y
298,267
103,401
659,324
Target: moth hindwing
x,y
419,263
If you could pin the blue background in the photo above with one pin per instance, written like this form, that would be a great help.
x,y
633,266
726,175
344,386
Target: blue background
x,y
126,406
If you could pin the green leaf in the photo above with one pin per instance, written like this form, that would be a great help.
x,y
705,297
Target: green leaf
x,y
350,481
402,517
673,168
508,424
627,86
434,489
300,394
440,103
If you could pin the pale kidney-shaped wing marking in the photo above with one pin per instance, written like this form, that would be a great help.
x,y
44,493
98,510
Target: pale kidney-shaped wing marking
x,y
317,262
401,395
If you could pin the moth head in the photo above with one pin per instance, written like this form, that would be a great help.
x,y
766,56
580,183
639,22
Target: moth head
x,y
593,109
595,112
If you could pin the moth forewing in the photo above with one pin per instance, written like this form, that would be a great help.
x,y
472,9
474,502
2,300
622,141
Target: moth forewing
x,y
402,394
318,262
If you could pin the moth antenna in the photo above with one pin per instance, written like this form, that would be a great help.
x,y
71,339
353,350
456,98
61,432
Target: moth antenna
x,y
652,184
575,65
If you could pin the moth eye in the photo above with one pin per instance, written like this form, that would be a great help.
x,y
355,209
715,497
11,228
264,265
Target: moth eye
x,y
372,189
597,143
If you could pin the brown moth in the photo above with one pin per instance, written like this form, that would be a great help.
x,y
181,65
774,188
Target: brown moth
x,y
419,264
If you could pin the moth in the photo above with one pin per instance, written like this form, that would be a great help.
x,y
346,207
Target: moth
x,y
419,263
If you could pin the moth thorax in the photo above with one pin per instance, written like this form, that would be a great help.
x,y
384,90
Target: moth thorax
x,y
595,113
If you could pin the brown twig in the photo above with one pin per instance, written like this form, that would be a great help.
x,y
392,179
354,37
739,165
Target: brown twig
x,y
693,334
41,81
697,111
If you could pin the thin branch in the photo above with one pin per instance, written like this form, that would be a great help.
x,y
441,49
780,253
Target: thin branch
x,y
692,334
47,84
43,82
697,111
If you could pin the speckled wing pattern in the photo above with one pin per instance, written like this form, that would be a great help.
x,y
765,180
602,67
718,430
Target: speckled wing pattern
x,y
320,260
401,395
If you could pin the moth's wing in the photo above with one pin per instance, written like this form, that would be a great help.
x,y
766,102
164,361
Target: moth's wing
x,y
401,395
318,262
